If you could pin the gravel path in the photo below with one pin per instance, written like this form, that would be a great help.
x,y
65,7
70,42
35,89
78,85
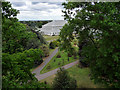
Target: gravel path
x,y
39,68
45,75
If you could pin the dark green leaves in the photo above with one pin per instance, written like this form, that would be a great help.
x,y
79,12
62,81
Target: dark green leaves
x,y
98,31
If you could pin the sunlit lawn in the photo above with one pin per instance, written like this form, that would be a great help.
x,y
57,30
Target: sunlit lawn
x,y
49,38
58,62
81,75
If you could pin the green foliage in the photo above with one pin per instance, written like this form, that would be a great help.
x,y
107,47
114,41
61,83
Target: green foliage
x,y
16,68
75,41
58,40
75,54
63,80
59,63
35,40
48,67
56,43
97,28
15,36
50,38
8,12
36,55
45,50
52,45
16,60
69,55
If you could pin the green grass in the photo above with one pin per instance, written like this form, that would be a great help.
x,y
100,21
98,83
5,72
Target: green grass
x,y
53,65
48,37
81,75
51,50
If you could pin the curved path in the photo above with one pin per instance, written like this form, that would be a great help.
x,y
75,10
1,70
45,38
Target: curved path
x,y
39,68
45,75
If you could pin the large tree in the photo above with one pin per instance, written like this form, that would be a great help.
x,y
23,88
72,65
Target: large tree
x,y
16,69
16,60
97,28
17,36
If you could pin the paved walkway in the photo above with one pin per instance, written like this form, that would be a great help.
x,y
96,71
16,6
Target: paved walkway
x,y
45,75
39,68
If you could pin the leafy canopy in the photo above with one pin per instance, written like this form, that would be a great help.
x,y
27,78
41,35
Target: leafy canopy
x,y
63,80
17,60
97,28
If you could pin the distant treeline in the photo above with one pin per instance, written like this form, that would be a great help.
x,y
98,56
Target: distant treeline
x,y
35,23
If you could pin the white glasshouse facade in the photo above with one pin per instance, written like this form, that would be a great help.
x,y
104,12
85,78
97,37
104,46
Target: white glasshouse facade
x,y
53,28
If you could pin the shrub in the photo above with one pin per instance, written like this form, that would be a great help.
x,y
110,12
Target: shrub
x,y
37,62
75,54
48,67
63,60
59,63
68,59
45,50
58,40
56,43
69,55
75,42
58,56
52,45
79,65
36,55
45,82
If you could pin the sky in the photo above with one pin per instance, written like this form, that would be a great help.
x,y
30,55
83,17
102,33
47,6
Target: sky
x,y
38,9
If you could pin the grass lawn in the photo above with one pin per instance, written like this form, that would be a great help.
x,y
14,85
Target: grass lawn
x,y
48,37
81,75
55,64
51,50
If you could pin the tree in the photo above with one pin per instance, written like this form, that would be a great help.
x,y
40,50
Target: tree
x,y
97,28
63,80
8,12
16,69
16,60
17,36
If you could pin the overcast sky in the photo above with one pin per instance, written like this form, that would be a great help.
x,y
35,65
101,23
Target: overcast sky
x,y
38,9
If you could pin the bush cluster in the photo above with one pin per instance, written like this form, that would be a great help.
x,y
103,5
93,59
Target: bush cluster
x,y
53,44
45,50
